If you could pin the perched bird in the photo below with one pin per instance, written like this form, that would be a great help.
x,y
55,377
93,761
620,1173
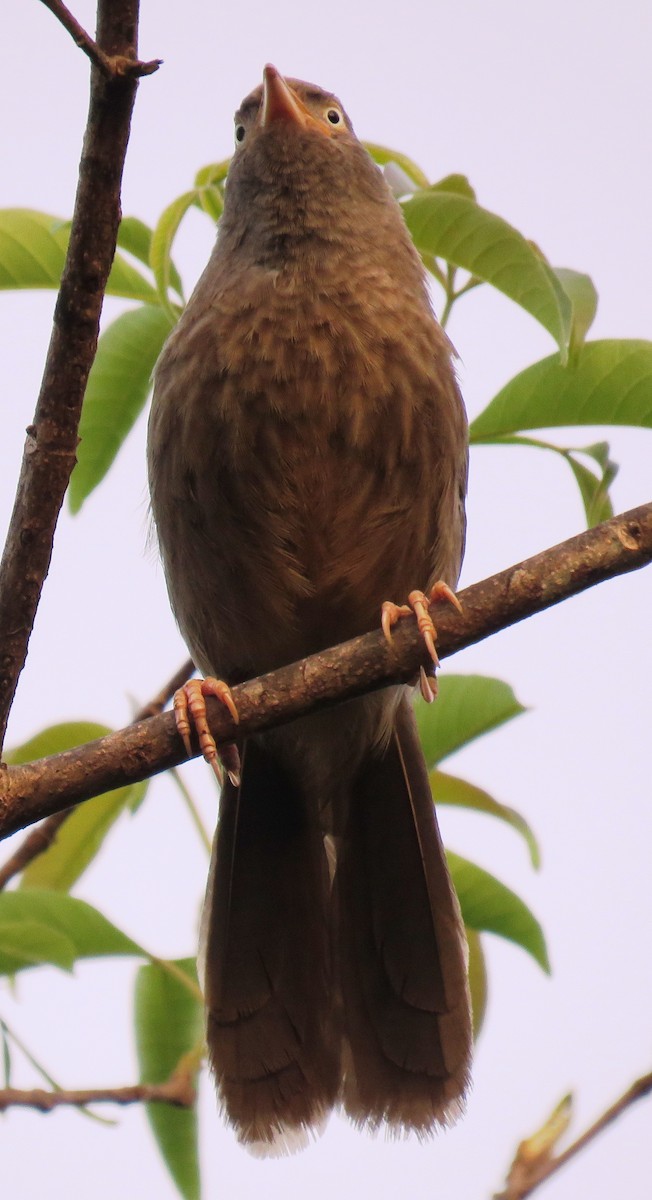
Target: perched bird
x,y
308,461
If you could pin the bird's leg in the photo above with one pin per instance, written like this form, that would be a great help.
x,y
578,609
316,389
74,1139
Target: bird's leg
x,y
190,707
419,604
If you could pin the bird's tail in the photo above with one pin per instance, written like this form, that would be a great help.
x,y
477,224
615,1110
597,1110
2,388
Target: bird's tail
x,y
402,948
267,953
359,994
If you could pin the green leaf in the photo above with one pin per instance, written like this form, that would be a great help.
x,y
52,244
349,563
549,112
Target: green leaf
x,y
467,707
118,387
51,920
79,840
383,155
457,229
82,834
31,943
136,237
213,175
594,490
478,982
211,201
448,789
169,1026
161,246
490,906
458,184
209,182
584,299
54,739
32,253
610,384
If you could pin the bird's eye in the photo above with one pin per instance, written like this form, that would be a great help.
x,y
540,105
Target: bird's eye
x,y
334,116
240,133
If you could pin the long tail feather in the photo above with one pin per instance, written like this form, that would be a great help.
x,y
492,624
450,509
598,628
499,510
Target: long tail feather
x,y
402,947
267,953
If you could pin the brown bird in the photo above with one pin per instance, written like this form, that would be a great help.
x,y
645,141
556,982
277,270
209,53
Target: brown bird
x,y
307,460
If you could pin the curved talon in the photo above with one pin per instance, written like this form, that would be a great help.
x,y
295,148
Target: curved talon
x,y
231,762
218,688
419,603
390,613
441,591
190,706
428,687
180,705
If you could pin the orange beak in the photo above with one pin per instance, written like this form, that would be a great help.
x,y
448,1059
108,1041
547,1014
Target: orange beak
x,y
281,103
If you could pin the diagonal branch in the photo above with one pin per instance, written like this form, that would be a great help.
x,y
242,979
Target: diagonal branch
x,y
36,790
49,454
525,1175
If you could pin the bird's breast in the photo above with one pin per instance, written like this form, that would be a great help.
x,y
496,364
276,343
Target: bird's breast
x,y
307,437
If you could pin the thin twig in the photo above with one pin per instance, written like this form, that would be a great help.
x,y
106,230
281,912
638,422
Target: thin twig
x,y
50,449
178,1091
41,838
158,702
37,842
35,790
109,65
524,1177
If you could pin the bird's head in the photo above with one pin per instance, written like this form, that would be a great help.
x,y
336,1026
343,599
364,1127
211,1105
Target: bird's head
x,y
300,179
289,106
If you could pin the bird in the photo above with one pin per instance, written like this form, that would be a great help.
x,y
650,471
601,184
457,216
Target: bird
x,y
307,461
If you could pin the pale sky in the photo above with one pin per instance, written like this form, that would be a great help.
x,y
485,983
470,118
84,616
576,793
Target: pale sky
x,y
546,107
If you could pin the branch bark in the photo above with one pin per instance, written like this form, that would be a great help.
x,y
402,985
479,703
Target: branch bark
x,y
109,65
50,449
39,789
177,1091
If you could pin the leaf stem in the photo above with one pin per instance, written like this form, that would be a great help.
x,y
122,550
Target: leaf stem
x,y
175,972
193,810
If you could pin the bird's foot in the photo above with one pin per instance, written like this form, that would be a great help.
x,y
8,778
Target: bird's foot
x,y
419,604
190,708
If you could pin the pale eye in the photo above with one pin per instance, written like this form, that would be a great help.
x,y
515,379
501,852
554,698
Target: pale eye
x,y
240,132
334,116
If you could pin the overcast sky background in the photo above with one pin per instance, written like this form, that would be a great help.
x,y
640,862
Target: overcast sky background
x,y
546,107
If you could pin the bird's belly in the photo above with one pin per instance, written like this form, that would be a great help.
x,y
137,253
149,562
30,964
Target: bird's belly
x,y
312,541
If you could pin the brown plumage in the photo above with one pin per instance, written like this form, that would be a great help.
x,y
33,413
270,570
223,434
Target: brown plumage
x,y
307,461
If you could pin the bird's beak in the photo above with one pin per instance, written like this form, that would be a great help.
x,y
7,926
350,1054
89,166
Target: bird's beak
x,y
281,103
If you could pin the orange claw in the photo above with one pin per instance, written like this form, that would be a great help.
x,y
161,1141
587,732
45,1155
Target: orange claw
x,y
419,604
190,706
390,613
441,591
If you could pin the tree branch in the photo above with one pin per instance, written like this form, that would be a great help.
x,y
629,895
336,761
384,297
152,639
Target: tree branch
x,y
109,65
41,838
36,790
529,1172
50,449
37,842
178,1091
